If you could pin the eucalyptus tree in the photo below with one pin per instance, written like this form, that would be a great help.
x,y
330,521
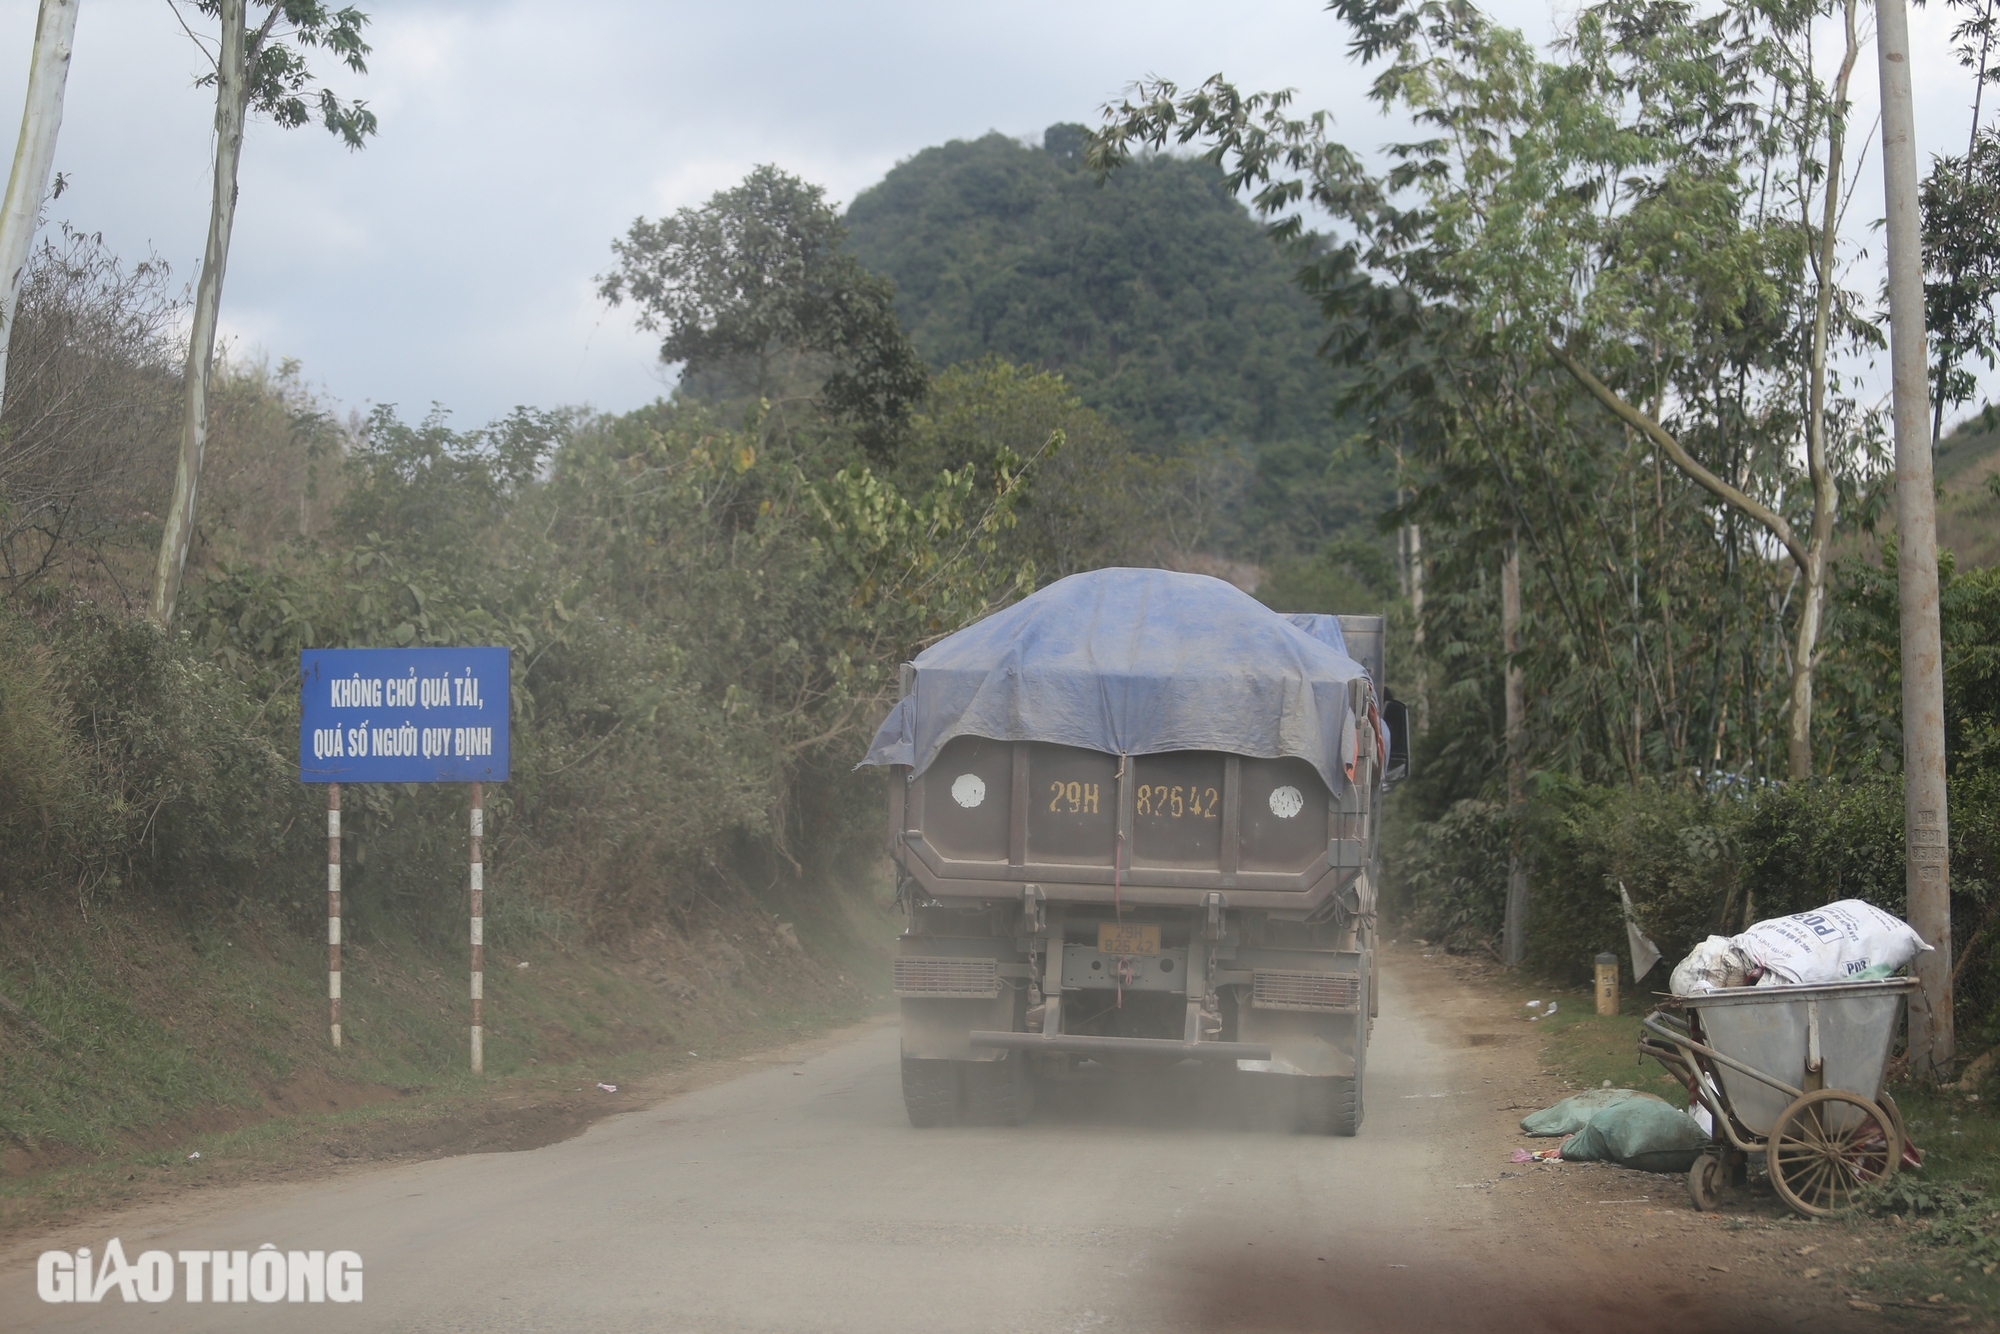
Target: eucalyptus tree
x,y
264,69
1651,210
1961,230
1960,200
34,156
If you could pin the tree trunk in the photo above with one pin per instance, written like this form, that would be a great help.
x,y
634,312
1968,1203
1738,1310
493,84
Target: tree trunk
x,y
1417,627
1826,497
1513,939
1798,744
232,95
34,156
1410,546
1927,872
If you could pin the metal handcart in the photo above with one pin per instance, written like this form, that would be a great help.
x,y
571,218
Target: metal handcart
x,y
1794,1073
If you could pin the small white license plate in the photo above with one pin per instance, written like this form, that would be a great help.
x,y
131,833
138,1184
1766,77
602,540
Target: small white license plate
x,y
1127,938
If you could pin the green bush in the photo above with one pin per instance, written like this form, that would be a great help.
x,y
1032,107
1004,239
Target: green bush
x,y
1674,849
44,771
156,768
1696,863
1447,878
704,622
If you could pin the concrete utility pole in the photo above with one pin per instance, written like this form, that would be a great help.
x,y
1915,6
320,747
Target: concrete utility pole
x,y
34,156
1514,934
1927,875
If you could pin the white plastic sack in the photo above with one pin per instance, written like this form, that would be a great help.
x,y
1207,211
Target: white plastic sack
x,y
1708,964
1830,944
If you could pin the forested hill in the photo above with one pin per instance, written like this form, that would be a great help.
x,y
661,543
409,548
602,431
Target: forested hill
x,y
1155,294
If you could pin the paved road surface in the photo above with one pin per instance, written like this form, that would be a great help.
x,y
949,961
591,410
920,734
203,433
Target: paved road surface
x,y
796,1198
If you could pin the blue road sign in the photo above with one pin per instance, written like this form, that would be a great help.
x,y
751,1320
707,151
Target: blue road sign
x,y
403,715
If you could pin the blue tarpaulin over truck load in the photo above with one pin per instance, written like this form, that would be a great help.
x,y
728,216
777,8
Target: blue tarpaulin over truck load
x,y
1326,629
1132,662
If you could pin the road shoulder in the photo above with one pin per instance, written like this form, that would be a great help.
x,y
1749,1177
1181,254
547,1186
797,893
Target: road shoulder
x,y
1601,1229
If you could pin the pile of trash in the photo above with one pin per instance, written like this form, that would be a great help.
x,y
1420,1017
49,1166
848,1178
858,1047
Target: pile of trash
x,y
1642,1131
1848,941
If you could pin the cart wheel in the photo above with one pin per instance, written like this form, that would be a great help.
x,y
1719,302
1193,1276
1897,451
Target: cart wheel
x,y
1895,1115
1705,1182
1828,1145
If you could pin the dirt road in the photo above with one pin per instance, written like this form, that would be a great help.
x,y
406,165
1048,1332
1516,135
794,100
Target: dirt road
x,y
796,1198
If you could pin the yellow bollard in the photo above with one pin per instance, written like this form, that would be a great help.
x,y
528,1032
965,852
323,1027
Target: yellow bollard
x,y
1607,984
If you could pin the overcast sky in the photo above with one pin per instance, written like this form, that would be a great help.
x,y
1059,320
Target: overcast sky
x,y
452,260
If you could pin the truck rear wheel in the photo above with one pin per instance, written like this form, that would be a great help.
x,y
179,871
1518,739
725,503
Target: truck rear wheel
x,y
1331,1104
930,1092
1347,1092
999,1092
1346,1107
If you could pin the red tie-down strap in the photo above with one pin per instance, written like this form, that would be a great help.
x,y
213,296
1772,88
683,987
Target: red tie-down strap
x,y
1381,742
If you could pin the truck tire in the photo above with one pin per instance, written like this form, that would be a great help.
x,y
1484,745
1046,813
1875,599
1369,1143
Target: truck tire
x,y
1328,1105
930,1092
1315,1102
1347,1107
999,1092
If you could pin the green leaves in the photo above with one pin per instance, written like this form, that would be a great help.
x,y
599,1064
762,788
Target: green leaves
x,y
1634,213
930,564
1153,294
282,85
1961,203
755,286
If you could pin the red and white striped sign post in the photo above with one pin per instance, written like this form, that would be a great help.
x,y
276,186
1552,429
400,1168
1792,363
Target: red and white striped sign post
x,y
478,930
333,909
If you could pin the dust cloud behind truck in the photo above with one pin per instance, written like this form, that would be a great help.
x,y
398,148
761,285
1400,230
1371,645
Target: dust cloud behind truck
x,y
1135,822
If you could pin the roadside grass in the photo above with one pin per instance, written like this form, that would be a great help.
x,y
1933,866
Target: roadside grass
x,y
271,1148
1945,1220
162,1041
1949,1246
1592,1050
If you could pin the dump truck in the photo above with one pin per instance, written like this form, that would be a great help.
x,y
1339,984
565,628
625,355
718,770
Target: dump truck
x,y
1134,819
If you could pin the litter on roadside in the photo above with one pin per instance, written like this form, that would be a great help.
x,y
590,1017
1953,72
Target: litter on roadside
x,y
609,1088
1634,1129
1644,952
1573,1113
1645,1134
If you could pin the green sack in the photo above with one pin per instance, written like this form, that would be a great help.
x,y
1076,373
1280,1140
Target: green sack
x,y
1643,1133
1573,1114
